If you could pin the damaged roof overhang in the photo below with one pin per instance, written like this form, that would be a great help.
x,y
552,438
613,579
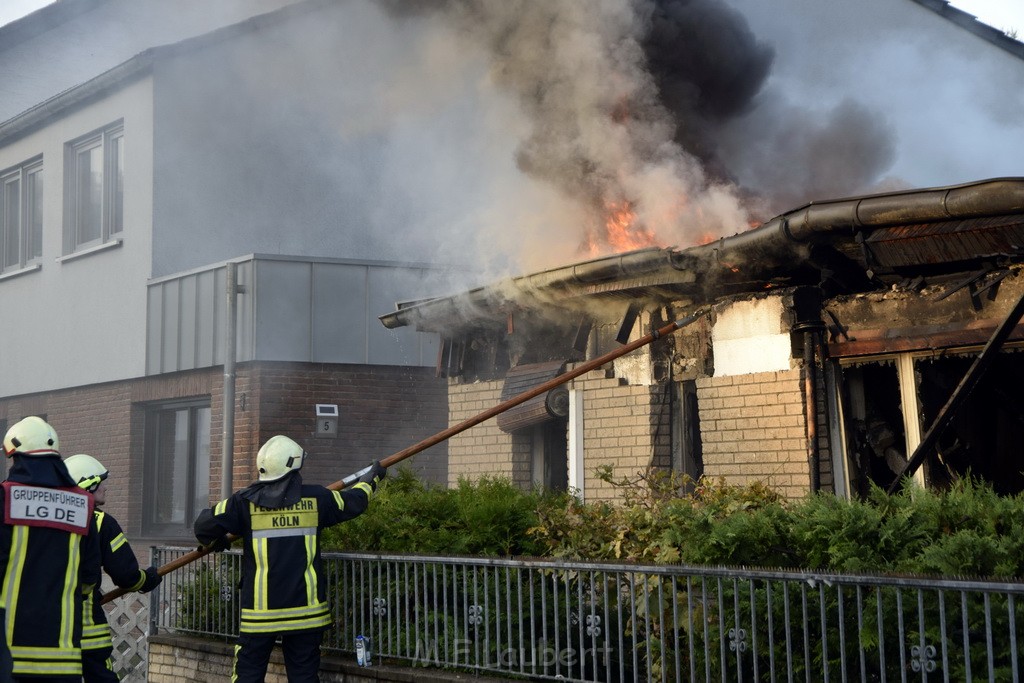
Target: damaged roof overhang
x,y
856,243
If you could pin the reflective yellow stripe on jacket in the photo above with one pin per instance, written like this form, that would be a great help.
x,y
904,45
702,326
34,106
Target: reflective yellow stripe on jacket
x,y
287,619
46,661
275,525
64,659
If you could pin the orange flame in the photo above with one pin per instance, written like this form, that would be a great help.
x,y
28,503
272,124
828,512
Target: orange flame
x,y
621,230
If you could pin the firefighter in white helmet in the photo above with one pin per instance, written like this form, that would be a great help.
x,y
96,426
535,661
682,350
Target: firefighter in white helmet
x,y
118,561
48,528
279,520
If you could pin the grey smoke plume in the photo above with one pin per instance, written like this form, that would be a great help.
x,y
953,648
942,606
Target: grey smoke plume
x,y
503,134
635,103
624,97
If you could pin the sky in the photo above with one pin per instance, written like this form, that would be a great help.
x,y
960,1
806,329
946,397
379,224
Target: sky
x,y
1006,15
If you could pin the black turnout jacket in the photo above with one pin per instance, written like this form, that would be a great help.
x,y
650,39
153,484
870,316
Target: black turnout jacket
x,y
49,563
282,586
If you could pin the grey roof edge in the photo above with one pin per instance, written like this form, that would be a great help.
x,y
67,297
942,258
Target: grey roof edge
x,y
43,19
127,71
38,115
778,240
971,23
514,289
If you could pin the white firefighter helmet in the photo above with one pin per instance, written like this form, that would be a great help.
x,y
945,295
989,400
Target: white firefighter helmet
x,y
86,470
31,436
279,456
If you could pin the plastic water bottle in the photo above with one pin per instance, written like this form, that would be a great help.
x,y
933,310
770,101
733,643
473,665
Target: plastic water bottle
x,y
361,651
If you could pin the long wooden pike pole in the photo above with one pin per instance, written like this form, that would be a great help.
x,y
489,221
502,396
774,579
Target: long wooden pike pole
x,y
396,458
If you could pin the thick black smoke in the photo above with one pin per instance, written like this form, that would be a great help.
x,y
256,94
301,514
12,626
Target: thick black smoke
x,y
636,103
708,67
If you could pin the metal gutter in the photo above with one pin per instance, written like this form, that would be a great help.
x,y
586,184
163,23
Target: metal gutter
x,y
782,242
789,235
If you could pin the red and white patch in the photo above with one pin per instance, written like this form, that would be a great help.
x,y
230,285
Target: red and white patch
x,y
68,509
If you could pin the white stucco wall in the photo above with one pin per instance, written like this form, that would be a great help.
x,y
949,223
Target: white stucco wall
x,y
82,321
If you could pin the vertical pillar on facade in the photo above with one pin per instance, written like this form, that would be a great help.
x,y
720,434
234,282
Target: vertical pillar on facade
x,y
227,460
575,444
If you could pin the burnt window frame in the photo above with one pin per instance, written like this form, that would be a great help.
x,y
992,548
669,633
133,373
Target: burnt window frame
x,y
910,403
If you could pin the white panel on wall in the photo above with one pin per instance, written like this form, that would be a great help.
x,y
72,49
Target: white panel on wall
x,y
169,331
206,320
154,316
187,324
751,336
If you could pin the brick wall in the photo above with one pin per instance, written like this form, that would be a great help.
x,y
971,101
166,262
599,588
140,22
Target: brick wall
x,y
625,426
484,449
753,429
107,421
383,410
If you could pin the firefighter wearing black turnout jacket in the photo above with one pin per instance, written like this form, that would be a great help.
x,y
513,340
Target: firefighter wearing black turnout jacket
x,y
118,561
49,555
283,589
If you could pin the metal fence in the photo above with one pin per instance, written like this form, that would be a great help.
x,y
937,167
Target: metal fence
x,y
579,621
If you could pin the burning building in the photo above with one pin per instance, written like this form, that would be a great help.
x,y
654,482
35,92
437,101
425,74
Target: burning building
x,y
845,343
330,158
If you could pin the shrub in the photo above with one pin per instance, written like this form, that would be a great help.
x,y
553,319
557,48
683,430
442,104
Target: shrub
x,y
487,517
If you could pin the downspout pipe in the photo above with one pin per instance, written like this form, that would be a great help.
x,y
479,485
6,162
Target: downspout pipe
x,y
227,460
809,326
811,333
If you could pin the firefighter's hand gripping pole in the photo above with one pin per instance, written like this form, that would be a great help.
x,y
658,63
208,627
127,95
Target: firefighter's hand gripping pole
x,y
396,458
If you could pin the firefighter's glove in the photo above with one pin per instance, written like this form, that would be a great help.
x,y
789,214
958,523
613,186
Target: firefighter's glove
x,y
217,545
375,475
151,581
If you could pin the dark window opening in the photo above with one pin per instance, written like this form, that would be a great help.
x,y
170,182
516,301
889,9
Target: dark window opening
x,y
876,438
687,449
551,455
985,437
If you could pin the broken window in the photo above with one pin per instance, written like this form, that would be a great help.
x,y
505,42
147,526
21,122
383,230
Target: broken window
x,y
549,455
876,436
687,451
985,437
888,402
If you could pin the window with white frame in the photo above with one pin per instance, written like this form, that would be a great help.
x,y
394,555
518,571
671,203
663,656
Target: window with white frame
x,y
94,189
21,215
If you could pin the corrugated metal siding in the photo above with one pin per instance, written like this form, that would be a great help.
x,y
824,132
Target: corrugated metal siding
x,y
291,309
947,242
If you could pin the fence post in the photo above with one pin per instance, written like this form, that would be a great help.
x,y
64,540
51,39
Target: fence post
x,y
154,598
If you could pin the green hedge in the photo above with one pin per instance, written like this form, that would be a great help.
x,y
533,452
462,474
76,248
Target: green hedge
x,y
967,530
489,517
